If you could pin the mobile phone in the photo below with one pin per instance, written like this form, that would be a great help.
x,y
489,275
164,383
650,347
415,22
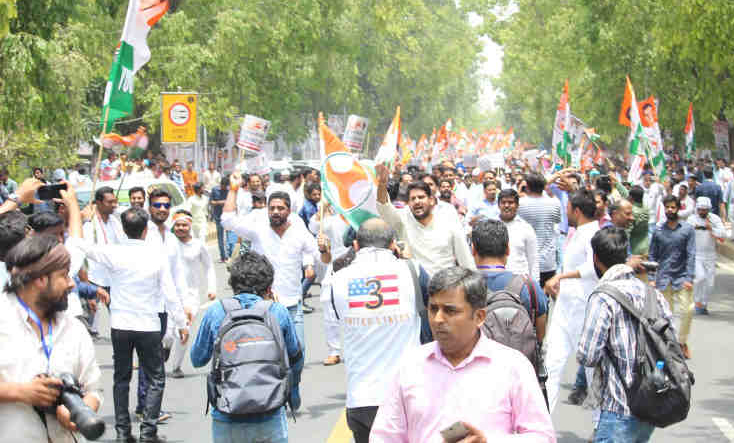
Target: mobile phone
x,y
50,192
455,432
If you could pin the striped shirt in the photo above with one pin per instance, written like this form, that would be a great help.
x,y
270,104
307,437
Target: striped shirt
x,y
609,330
542,213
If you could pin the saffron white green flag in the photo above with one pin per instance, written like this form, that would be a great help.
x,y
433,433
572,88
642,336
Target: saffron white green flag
x,y
561,137
690,132
132,53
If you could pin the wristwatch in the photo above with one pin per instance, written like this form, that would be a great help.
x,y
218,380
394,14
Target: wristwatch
x,y
14,198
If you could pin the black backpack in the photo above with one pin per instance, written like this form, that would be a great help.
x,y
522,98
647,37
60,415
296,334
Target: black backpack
x,y
655,341
508,321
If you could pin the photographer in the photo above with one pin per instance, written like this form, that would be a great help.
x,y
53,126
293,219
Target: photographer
x,y
38,337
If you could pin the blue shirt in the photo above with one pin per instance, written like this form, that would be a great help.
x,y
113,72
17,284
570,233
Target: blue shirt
x,y
675,251
497,281
713,191
84,289
203,347
563,197
218,194
485,209
307,211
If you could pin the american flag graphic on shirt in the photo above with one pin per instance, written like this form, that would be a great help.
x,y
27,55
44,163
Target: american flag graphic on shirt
x,y
374,292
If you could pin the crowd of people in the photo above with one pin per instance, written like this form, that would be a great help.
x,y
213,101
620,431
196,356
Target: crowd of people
x,y
417,296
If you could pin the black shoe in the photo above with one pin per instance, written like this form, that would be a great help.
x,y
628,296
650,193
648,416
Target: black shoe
x,y
177,373
577,396
126,439
153,439
307,309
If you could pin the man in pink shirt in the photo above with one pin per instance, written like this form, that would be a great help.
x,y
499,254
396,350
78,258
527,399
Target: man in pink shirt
x,y
462,376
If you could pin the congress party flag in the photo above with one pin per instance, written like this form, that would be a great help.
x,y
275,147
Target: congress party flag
x,y
132,53
348,185
389,148
690,133
637,142
561,136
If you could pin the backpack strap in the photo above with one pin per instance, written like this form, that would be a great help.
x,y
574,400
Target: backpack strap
x,y
230,304
515,284
533,300
622,299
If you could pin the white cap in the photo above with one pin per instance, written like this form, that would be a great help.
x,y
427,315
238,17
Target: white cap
x,y
476,172
703,203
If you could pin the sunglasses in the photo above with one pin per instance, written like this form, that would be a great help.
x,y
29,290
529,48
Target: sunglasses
x,y
159,205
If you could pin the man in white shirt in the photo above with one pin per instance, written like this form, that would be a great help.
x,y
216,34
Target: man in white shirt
x,y
375,300
212,177
523,242
79,177
332,228
143,283
198,268
288,245
102,229
38,336
571,290
434,239
709,229
198,205
476,190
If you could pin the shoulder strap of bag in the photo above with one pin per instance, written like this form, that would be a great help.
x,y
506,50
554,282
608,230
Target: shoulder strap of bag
x,y
622,299
420,305
515,284
533,299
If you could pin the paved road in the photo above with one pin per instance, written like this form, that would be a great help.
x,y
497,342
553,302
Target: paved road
x,y
321,416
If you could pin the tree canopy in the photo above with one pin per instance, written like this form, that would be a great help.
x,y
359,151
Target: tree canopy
x,y
680,51
282,60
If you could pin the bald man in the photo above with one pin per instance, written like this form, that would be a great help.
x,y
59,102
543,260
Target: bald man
x,y
377,299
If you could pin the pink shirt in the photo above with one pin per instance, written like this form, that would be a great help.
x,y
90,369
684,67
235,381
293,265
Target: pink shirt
x,y
495,390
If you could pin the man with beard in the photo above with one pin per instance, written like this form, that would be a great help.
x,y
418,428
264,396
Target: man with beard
x,y
288,245
436,240
160,237
102,229
487,208
38,336
136,196
445,191
709,229
673,246
571,289
432,181
197,269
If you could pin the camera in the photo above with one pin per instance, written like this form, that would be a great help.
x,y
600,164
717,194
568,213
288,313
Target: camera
x,y
87,421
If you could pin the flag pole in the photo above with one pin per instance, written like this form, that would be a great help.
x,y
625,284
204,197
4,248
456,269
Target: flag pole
x,y
99,155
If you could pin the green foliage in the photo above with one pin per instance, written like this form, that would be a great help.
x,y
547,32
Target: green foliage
x,y
680,51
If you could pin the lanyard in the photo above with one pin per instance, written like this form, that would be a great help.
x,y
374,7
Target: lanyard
x,y
47,347
491,267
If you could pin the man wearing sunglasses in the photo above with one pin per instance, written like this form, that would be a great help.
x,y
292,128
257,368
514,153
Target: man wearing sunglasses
x,y
159,234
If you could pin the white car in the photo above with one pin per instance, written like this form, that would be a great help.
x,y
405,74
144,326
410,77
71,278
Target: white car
x,y
122,189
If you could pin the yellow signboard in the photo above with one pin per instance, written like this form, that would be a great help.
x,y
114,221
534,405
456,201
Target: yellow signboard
x,y
178,117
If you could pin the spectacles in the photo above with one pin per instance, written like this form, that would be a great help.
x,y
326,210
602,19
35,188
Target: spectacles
x,y
159,205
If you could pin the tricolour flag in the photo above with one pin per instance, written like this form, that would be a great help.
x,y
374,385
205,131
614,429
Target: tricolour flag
x,y
561,137
374,292
350,186
132,53
389,148
637,142
690,133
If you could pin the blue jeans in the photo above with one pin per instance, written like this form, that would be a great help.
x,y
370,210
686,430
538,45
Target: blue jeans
x,y
614,428
273,430
231,242
296,313
580,383
220,240
306,285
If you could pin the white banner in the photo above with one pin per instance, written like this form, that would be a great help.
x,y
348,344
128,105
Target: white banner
x,y
355,133
253,133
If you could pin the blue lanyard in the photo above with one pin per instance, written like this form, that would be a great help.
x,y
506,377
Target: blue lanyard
x,y
490,267
47,347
